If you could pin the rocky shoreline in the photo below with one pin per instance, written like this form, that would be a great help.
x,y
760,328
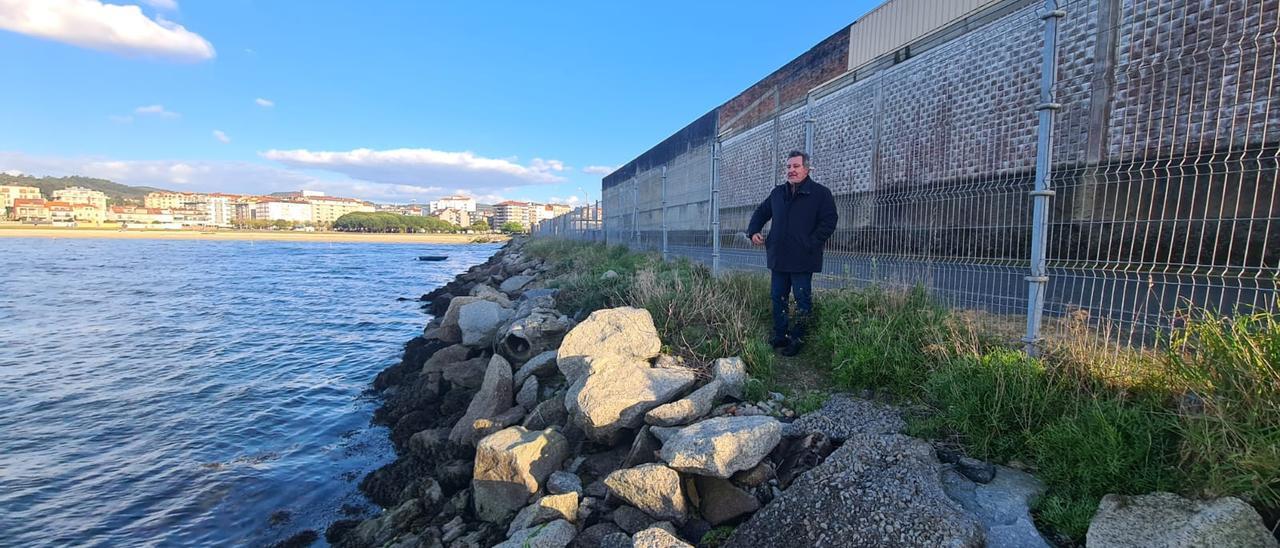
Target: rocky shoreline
x,y
518,424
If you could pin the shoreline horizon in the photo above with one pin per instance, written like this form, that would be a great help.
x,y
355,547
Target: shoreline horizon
x,y
232,235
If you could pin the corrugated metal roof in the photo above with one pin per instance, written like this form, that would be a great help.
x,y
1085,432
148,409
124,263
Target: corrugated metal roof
x,y
897,23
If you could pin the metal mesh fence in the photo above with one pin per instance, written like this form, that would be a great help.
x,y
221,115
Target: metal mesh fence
x,y
1147,131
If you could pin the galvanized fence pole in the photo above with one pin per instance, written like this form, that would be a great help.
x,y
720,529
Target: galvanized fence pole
x,y
1039,278
664,212
715,207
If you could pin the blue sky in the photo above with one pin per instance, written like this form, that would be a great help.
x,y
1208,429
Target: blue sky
x,y
387,101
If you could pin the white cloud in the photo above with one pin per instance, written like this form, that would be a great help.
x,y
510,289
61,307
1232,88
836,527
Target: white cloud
x,y
208,176
426,167
264,103
12,172
599,170
108,27
170,5
219,135
125,119
572,200
154,110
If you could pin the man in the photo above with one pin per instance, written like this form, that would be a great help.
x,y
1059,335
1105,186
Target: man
x,y
804,217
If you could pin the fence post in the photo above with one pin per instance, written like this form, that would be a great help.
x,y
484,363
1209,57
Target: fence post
x,y
715,207
635,212
808,126
1039,277
664,212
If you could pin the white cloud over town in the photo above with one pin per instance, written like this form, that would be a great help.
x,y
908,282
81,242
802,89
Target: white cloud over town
x,y
120,29
428,168
221,136
599,170
264,103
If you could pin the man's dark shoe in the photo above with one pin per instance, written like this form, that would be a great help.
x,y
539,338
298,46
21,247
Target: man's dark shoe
x,y
780,342
792,349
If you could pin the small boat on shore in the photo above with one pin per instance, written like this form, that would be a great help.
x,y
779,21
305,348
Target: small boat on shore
x,y
432,257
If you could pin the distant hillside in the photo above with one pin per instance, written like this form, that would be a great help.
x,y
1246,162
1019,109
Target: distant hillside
x,y
47,185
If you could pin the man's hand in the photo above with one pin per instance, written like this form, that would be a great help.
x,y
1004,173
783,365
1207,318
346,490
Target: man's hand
x,y
757,239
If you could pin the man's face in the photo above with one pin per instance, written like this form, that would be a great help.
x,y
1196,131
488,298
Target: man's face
x,y
796,170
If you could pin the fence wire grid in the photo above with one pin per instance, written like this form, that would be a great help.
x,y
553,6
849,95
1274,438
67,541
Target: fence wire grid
x,y
1157,168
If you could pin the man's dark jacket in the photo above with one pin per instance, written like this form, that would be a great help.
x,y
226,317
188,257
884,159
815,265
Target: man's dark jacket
x,y
801,225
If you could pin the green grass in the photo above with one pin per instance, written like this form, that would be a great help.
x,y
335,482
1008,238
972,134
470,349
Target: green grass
x,y
1201,418
1231,367
876,339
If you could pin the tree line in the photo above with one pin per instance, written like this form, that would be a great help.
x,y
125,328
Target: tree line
x,y
394,222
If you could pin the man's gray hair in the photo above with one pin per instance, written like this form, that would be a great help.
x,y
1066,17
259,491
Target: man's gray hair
x,y
804,158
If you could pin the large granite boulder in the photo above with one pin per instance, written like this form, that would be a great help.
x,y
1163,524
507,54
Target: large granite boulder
x,y
514,284
624,333
720,446
652,488
605,402
510,466
494,397
1168,520
480,321
875,490
448,330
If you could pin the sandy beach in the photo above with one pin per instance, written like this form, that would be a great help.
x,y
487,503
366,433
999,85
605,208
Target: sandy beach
x,y
229,235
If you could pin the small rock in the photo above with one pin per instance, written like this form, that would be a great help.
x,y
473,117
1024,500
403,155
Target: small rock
x,y
616,540
593,536
608,275
541,365
556,534
653,488
548,413
722,502
732,374
655,537
630,519
548,508
527,397
562,482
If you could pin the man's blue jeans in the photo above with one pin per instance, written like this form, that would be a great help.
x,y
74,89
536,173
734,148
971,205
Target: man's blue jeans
x,y
784,284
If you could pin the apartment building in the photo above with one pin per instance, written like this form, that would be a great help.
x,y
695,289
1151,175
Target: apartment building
x,y
28,209
81,195
460,217
9,193
325,210
280,210
510,211
464,203
139,215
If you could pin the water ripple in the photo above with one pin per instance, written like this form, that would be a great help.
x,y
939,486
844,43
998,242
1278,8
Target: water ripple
x,y
179,392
